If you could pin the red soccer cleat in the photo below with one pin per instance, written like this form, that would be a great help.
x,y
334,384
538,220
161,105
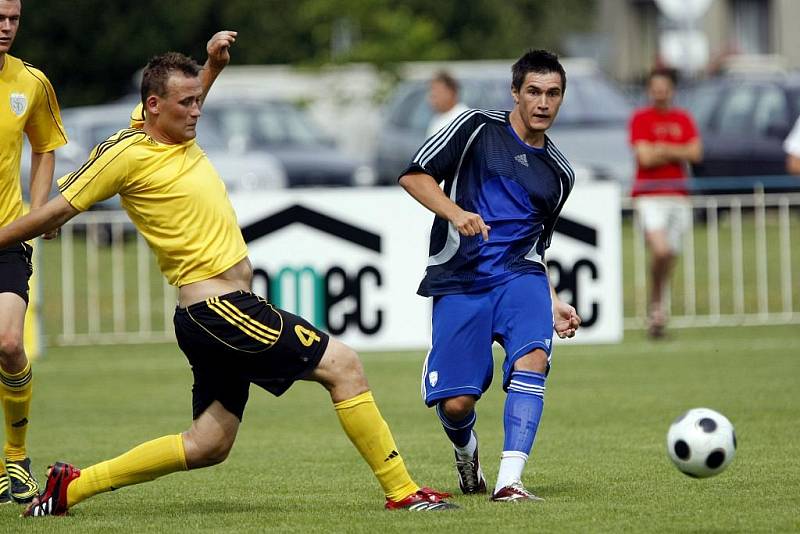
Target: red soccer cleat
x,y
513,493
424,500
53,501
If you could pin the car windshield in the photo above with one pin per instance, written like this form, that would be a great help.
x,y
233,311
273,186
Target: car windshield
x,y
589,100
236,125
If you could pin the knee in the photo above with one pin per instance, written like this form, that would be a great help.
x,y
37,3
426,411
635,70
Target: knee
x,y
535,361
457,408
204,452
343,370
11,346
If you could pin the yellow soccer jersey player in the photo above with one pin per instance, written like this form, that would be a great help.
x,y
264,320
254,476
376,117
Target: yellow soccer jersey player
x,y
231,337
172,194
27,105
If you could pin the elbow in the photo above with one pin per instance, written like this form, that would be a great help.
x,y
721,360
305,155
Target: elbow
x,y
405,182
793,165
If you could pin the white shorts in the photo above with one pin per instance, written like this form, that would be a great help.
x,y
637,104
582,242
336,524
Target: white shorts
x,y
669,213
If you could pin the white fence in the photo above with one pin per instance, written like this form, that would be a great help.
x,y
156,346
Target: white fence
x,y
738,266
109,286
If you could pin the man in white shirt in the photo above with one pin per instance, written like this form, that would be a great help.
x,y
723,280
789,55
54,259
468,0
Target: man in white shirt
x,y
792,148
443,98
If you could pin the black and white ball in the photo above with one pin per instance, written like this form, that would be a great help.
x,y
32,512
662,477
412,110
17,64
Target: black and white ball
x,y
701,443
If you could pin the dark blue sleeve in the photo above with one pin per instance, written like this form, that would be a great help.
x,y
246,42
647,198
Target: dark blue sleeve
x,y
440,154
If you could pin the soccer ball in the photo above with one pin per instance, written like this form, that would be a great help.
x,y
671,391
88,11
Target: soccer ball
x,y
701,443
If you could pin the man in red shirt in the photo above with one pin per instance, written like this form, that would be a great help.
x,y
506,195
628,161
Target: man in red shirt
x,y
665,140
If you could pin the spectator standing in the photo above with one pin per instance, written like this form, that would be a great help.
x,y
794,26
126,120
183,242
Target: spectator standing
x,y
665,140
443,97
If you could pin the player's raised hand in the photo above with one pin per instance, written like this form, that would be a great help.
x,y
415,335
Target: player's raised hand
x,y
566,320
218,48
470,224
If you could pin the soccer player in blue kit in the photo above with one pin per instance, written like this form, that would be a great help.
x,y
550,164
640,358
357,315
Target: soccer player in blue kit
x,y
505,184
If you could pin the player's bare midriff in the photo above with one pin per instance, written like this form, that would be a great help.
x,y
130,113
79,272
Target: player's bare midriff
x,y
238,277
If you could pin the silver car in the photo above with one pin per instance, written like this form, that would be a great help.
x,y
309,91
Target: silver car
x,y
591,128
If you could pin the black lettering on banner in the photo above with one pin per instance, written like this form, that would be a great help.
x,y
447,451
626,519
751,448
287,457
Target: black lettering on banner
x,y
377,322
568,281
333,297
338,287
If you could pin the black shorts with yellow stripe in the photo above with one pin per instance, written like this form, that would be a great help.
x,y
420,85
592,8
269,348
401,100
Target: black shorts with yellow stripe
x,y
239,338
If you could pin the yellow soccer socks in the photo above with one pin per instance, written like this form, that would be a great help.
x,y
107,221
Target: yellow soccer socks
x,y
143,463
15,391
363,424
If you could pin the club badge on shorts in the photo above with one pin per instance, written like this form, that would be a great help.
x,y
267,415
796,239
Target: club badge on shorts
x,y
18,103
433,378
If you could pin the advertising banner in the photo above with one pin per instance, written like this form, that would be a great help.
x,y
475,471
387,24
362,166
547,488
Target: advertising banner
x,y
350,260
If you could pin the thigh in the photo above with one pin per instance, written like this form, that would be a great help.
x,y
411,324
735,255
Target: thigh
x,y
12,314
523,318
460,359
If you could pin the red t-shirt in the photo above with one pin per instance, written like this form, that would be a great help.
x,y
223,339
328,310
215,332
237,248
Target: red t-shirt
x,y
671,126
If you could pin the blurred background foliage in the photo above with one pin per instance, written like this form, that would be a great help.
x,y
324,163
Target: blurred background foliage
x,y
90,49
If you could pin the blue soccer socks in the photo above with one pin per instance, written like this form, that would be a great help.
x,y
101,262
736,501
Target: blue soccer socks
x,y
459,432
523,411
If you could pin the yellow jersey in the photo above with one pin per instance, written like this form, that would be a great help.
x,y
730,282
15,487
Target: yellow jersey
x,y
172,194
137,116
27,105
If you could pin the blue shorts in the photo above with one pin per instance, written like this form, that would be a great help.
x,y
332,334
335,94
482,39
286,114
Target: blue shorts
x,y
517,314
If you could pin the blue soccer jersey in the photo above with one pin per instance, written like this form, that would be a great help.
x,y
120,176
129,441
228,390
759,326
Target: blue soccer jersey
x,y
517,189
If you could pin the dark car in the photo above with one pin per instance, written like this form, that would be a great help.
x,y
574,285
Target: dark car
x,y
591,127
743,122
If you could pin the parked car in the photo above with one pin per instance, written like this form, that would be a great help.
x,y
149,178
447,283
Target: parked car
x,y
90,125
242,124
743,121
591,127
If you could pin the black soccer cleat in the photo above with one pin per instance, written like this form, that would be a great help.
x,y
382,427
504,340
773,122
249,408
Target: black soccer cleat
x,y
23,487
470,475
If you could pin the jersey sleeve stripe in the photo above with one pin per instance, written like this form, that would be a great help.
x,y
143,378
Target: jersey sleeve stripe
x,y
562,162
101,149
49,104
439,140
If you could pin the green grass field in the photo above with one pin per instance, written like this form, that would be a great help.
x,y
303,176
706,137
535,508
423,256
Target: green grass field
x,y
599,459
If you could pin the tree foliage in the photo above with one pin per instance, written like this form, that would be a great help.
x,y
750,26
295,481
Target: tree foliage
x,y
91,48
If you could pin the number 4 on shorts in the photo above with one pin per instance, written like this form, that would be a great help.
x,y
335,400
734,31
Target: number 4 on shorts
x,y
306,336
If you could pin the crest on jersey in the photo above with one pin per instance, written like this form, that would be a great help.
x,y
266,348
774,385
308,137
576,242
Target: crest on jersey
x,y
18,103
433,378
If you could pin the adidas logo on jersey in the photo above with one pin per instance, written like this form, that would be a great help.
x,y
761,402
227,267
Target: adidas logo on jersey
x,y
522,158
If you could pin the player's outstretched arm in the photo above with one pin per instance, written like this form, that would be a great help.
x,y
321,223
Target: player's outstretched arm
x,y
219,56
39,221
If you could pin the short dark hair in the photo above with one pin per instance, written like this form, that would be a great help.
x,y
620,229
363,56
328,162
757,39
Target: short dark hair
x,y
540,62
159,69
447,79
664,72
